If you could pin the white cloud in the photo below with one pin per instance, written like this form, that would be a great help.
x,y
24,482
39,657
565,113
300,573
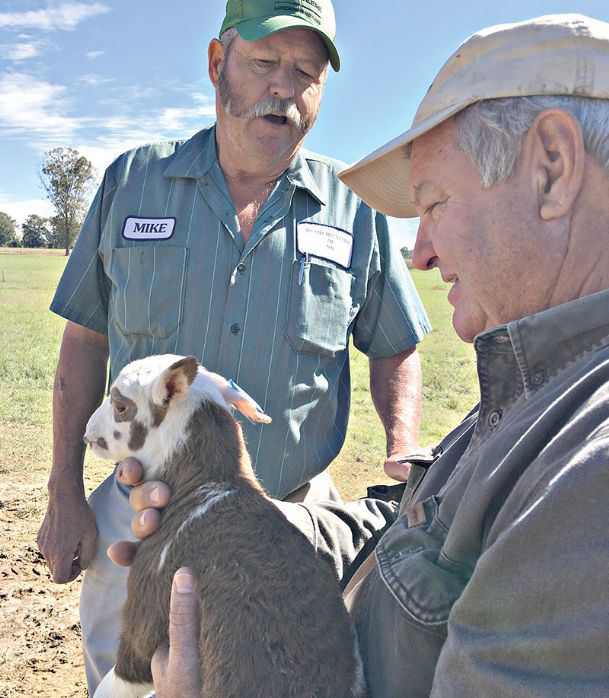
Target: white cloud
x,y
66,16
33,107
94,80
21,52
92,55
20,210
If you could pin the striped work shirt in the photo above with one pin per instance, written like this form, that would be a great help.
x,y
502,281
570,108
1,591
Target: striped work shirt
x,y
160,267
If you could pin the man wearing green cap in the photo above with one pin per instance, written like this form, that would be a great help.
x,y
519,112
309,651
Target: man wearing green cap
x,y
490,577
243,250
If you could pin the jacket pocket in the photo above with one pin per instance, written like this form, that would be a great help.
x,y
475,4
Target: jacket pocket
x,y
320,308
411,567
148,289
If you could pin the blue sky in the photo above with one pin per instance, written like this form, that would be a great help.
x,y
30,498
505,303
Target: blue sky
x,y
103,76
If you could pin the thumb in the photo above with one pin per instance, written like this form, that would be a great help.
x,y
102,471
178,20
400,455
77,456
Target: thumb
x,y
184,617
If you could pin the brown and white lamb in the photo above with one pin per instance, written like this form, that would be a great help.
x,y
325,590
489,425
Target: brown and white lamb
x,y
273,624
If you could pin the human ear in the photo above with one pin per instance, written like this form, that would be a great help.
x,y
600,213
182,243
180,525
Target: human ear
x,y
215,55
558,156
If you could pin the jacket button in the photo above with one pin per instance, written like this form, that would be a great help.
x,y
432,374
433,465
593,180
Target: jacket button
x,y
235,329
241,268
538,377
494,418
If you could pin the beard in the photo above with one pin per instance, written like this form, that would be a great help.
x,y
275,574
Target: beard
x,y
235,106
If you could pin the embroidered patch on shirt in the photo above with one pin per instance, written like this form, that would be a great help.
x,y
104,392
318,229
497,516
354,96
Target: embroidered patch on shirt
x,y
148,228
325,241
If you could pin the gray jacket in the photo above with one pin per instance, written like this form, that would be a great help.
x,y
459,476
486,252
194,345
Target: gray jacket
x,y
492,577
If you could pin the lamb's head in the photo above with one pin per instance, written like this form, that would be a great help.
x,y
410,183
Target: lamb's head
x,y
149,406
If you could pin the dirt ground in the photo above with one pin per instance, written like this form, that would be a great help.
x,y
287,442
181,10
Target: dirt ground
x,y
39,630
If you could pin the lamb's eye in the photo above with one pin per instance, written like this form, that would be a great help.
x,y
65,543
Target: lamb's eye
x,y
120,408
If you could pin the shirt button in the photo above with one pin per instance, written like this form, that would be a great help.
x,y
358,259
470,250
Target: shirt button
x,y
241,268
494,418
538,377
235,329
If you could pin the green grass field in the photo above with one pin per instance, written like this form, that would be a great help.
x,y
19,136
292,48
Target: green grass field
x,y
29,344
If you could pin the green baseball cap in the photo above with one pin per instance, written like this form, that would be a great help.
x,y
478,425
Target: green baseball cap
x,y
255,19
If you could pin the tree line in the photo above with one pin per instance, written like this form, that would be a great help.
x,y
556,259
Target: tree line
x,y
67,177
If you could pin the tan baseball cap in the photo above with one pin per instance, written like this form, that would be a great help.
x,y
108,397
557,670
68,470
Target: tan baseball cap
x,y
565,54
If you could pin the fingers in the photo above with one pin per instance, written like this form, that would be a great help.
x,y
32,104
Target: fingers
x,y
145,523
177,671
130,471
150,494
63,570
397,471
87,551
122,552
184,615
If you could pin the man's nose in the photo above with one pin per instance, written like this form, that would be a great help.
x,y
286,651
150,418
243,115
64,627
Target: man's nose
x,y
423,256
282,85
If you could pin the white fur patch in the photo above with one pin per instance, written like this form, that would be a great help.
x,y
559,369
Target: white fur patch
x,y
113,687
212,494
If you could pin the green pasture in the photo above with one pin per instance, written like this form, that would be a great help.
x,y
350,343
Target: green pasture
x,y
30,336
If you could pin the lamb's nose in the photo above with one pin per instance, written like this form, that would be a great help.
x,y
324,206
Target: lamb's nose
x,y
100,441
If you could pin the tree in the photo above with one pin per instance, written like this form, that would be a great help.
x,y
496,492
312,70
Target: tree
x,y
57,238
67,176
35,231
8,228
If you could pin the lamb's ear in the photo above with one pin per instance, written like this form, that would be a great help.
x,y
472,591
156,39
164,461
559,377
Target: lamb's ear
x,y
174,382
236,396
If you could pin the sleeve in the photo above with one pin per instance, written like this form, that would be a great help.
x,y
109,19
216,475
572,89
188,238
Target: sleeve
x,y
83,290
342,534
392,319
533,620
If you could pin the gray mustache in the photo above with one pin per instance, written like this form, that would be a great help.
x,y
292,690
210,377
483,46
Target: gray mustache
x,y
282,107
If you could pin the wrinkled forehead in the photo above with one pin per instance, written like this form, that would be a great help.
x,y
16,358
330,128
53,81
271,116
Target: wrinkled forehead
x,y
302,44
433,156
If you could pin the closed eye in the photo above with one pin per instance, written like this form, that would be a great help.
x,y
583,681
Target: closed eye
x,y
432,207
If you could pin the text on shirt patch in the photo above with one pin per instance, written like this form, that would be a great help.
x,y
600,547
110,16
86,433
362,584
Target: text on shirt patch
x,y
325,241
148,228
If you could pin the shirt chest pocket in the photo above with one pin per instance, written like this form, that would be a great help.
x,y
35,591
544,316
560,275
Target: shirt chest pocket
x,y
420,578
148,289
320,309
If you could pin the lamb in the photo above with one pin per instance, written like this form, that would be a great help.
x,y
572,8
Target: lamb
x,y
273,623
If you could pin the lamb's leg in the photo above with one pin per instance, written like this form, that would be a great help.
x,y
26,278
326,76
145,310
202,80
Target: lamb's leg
x,y
112,686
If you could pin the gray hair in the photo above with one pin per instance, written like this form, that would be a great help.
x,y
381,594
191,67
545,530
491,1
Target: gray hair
x,y
491,132
227,39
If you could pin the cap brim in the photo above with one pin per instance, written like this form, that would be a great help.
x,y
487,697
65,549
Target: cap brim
x,y
256,29
381,179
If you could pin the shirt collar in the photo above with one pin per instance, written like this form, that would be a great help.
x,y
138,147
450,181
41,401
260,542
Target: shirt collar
x,y
300,175
544,343
197,156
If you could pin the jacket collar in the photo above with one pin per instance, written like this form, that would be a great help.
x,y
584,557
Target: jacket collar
x,y
544,343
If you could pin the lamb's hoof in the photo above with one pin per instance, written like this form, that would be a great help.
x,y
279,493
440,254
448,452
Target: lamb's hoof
x,y
114,687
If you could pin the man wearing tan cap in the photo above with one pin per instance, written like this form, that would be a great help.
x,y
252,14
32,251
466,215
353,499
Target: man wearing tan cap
x,y
491,577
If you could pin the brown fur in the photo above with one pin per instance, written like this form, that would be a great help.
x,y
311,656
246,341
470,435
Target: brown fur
x,y
273,624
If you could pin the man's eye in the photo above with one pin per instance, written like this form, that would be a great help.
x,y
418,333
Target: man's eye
x,y
431,207
304,74
259,63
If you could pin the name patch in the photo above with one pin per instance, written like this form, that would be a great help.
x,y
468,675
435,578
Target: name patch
x,y
148,228
325,241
